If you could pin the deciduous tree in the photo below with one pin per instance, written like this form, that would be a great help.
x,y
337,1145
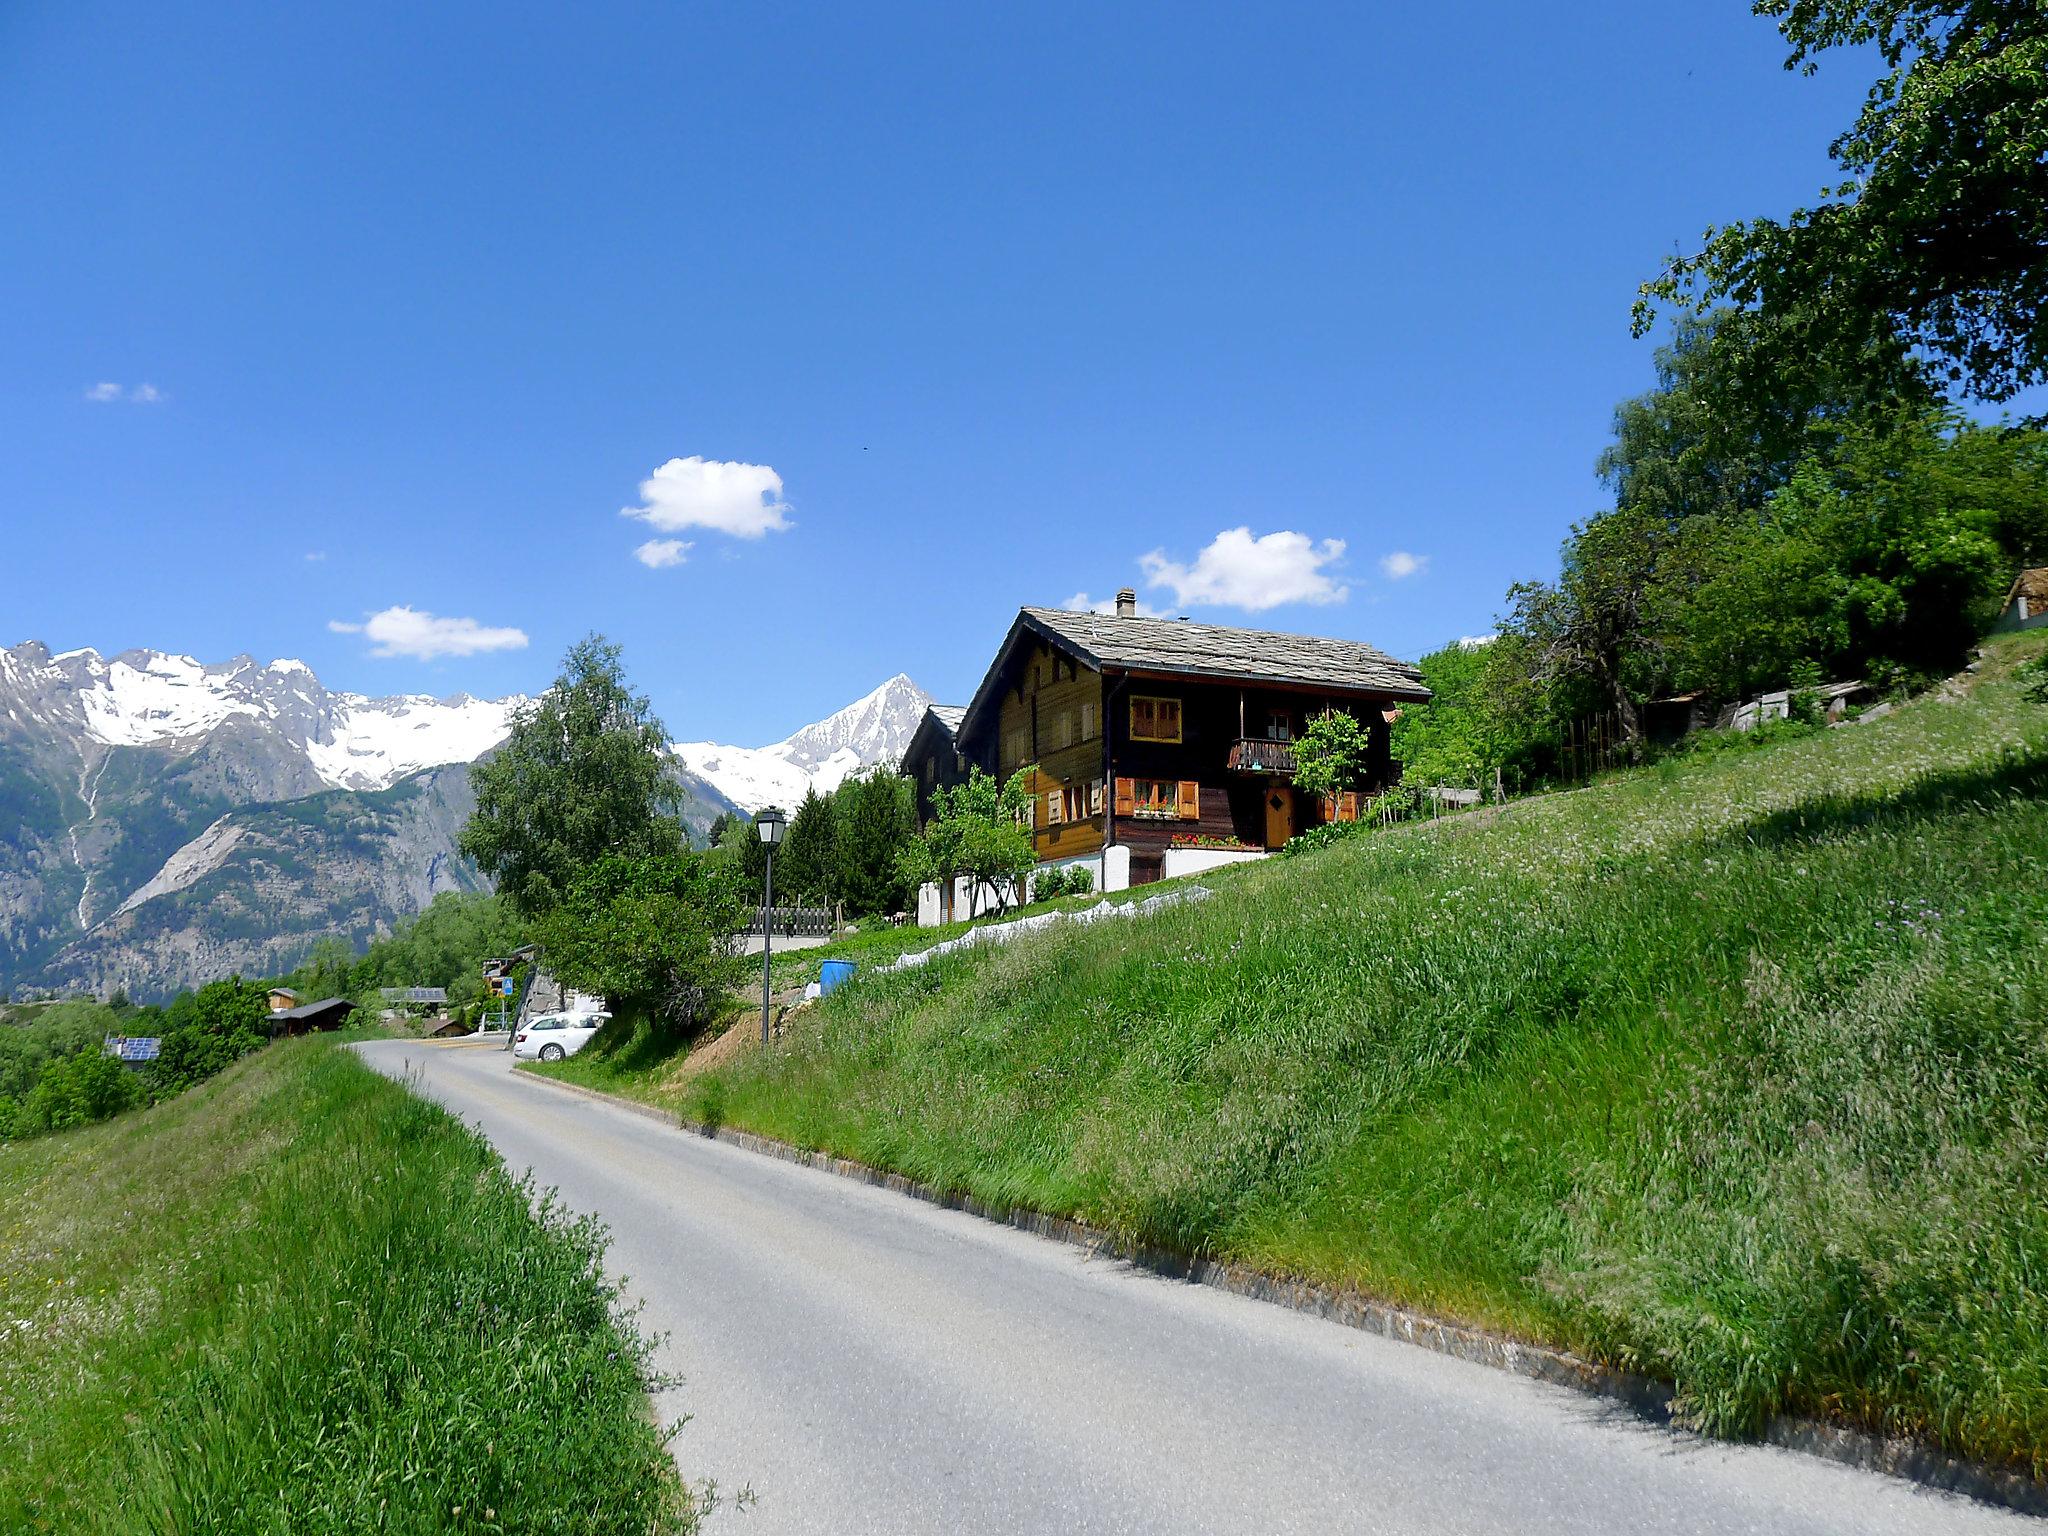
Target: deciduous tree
x,y
1935,243
583,775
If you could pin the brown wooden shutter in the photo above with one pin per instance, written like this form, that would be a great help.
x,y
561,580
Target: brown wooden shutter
x,y
1126,798
1347,807
1190,800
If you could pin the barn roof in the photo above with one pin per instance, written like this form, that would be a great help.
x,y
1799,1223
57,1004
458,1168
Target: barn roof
x,y
2032,585
313,1012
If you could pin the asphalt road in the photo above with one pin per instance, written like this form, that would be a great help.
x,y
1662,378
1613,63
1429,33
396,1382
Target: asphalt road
x,y
865,1362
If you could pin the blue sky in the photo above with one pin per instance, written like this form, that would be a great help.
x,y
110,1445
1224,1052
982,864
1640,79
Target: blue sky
x,y
931,311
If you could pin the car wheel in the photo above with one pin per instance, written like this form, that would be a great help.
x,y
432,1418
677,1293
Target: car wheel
x,y
551,1053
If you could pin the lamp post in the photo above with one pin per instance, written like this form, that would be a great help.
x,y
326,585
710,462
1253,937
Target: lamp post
x,y
771,825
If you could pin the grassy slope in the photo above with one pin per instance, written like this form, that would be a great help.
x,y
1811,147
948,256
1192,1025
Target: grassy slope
x,y
877,945
1735,1070
298,1298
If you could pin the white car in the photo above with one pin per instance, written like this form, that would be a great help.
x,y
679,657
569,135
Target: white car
x,y
552,1036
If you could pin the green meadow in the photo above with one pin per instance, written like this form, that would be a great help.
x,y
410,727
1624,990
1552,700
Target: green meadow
x,y
297,1298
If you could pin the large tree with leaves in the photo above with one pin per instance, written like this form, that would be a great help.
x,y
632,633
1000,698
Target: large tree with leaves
x,y
1934,248
584,774
1583,637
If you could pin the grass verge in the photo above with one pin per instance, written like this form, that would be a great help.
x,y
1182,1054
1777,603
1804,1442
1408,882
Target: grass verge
x,y
1734,1070
298,1298
879,945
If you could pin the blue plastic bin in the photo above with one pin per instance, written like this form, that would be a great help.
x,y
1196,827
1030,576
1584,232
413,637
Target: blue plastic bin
x,y
832,973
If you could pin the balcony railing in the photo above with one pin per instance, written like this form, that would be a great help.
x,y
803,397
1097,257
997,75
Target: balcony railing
x,y
1261,754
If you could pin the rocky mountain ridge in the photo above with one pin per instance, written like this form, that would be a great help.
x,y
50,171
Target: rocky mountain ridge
x,y
164,821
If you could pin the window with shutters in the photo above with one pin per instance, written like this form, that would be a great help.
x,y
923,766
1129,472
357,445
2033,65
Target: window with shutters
x,y
1017,747
1087,722
1055,807
1155,798
1154,719
1095,798
1279,725
1066,727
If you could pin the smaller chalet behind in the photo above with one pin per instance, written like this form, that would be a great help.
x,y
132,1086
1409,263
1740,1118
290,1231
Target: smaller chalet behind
x,y
1145,735
933,756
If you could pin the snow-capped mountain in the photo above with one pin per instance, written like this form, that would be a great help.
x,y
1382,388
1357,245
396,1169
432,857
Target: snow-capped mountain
x,y
151,699
871,730
164,821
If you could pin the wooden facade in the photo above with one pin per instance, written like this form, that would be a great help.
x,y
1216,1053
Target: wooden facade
x,y
1142,733
933,759
1050,721
1253,803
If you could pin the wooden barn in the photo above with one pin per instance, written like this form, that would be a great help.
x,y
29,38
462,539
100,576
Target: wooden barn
x,y
1150,734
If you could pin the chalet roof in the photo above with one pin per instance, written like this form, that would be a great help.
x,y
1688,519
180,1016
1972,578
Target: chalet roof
x,y
938,729
1220,651
2032,585
1213,652
284,992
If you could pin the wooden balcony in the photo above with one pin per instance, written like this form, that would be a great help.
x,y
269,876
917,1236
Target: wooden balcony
x,y
1262,755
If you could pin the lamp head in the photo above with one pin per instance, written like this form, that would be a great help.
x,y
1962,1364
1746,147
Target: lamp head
x,y
771,824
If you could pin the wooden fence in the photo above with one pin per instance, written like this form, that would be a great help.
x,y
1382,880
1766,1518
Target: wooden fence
x,y
797,922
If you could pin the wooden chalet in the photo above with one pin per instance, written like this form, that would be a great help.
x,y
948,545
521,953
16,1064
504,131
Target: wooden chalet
x,y
1149,734
933,758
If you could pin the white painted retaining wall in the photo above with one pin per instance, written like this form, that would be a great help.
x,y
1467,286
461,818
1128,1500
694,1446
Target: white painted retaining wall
x,y
1108,871
1193,861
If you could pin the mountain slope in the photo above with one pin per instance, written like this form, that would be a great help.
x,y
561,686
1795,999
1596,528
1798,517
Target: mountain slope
x,y
257,886
872,730
164,821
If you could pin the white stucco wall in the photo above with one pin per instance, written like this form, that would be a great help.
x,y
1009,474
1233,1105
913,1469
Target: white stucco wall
x,y
1192,861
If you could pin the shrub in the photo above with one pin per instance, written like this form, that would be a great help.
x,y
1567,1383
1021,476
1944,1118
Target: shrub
x,y
1061,880
77,1090
651,934
2033,676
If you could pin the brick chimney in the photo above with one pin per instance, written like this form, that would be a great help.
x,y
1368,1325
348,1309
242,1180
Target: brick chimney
x,y
1127,603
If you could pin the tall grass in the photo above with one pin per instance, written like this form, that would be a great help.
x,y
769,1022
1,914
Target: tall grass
x,y
300,1299
1735,1070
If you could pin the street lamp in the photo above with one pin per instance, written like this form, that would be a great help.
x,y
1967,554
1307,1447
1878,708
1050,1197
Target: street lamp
x,y
771,824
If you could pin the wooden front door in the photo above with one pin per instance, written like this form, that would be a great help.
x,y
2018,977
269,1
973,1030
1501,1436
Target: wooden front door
x,y
1279,814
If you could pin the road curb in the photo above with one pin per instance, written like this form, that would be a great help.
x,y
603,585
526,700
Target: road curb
x,y
1896,1456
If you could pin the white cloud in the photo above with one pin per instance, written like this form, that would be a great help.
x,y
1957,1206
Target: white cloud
x,y
1400,565
409,632
1081,602
106,392
656,554
1473,642
744,500
1236,570
316,554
